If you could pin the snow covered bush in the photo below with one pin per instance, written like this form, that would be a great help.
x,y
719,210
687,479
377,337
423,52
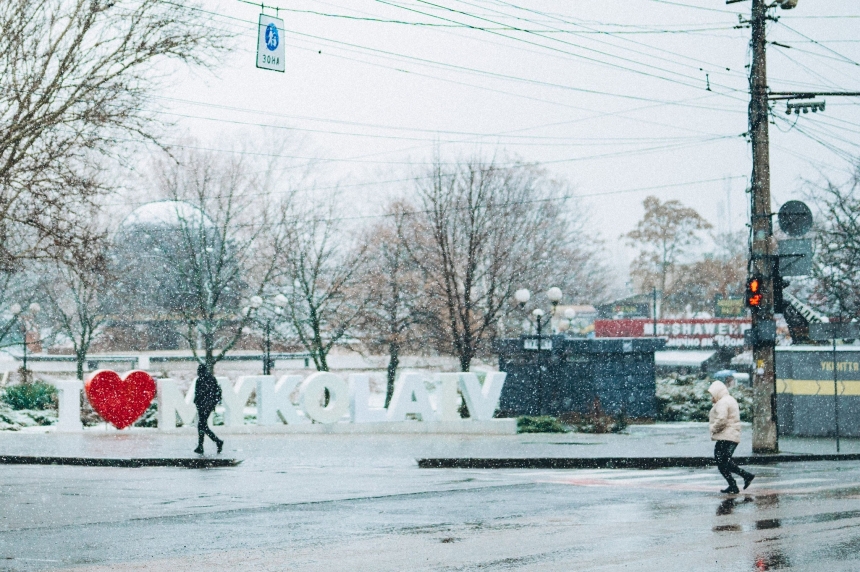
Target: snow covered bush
x,y
686,398
33,395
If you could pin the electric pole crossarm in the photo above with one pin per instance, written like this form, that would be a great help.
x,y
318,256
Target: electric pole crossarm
x,y
778,95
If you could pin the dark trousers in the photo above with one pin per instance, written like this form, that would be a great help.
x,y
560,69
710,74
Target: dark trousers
x,y
203,425
723,452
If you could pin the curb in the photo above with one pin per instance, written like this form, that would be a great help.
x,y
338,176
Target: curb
x,y
621,462
186,463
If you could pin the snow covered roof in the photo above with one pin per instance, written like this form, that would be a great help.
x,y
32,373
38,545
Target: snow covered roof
x,y
682,358
165,213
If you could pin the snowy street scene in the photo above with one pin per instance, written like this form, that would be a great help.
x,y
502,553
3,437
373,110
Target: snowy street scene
x,y
451,285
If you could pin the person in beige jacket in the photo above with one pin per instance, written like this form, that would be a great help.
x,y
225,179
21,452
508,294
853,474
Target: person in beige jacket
x,y
725,425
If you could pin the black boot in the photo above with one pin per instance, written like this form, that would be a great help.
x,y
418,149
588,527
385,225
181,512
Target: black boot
x,y
220,445
731,490
748,479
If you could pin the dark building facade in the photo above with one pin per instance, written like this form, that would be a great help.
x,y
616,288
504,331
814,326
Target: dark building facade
x,y
573,375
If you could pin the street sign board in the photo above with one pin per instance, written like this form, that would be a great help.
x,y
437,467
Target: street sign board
x,y
730,307
270,45
795,218
795,257
532,344
834,330
623,310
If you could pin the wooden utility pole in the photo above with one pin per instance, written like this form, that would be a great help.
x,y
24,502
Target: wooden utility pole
x,y
762,248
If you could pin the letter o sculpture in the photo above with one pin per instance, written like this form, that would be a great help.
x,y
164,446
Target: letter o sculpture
x,y
312,393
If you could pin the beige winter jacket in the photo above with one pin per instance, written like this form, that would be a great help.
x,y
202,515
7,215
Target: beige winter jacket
x,y
725,416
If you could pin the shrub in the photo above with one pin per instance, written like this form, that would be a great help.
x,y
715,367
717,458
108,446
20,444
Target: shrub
x,y
34,395
149,418
686,398
540,424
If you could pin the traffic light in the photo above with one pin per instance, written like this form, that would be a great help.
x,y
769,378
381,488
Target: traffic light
x,y
754,298
779,283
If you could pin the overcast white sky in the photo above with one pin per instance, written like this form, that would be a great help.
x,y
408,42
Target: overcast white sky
x,y
610,95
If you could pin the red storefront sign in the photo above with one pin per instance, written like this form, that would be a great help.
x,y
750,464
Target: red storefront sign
x,y
699,333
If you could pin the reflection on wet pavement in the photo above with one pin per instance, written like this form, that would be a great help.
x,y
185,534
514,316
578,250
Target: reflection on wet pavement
x,y
317,516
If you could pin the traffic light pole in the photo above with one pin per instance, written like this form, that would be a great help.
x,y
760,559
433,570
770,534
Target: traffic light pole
x,y
762,246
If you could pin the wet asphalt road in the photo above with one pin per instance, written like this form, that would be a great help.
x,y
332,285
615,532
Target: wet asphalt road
x,y
336,510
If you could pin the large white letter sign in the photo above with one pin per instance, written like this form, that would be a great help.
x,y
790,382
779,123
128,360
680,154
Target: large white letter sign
x,y
359,400
69,405
447,399
235,399
273,400
410,397
312,394
171,403
482,401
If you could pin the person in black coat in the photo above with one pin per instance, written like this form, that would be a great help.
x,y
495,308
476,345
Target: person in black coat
x,y
207,394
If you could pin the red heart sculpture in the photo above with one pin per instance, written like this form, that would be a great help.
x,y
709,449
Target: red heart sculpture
x,y
120,400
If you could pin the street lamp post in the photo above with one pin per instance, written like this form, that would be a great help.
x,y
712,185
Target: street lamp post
x,y
33,309
278,302
522,296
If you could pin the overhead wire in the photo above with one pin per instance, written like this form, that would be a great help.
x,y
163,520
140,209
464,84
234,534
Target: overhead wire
x,y
587,29
564,197
446,65
587,58
834,52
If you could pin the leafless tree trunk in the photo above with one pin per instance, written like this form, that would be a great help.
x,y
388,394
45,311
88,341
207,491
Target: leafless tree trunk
x,y
483,231
664,235
321,274
74,80
836,272
393,289
18,290
226,250
77,289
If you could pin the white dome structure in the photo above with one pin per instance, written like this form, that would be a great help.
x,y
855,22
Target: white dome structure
x,y
166,214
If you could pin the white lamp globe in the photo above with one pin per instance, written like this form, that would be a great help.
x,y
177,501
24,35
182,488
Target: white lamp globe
x,y
280,300
35,308
570,313
537,312
522,295
15,308
256,302
563,325
554,294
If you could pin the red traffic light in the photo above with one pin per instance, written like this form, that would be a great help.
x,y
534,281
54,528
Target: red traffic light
x,y
754,296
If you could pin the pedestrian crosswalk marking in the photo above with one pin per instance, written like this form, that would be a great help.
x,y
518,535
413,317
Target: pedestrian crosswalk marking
x,y
689,480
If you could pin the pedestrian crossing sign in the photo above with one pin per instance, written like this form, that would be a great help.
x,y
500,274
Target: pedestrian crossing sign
x,y
270,45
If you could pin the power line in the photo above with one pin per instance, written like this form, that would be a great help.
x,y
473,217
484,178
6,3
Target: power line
x,y
553,139
693,7
587,58
844,58
466,26
564,197
465,69
585,29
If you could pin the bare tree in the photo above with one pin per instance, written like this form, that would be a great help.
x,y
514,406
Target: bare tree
x,y
321,276
74,81
664,236
393,288
720,272
483,231
18,289
224,251
77,289
836,272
